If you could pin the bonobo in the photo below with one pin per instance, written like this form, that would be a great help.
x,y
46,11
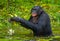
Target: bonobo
x,y
39,22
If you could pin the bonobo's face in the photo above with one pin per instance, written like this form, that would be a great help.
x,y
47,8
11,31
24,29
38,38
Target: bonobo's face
x,y
35,11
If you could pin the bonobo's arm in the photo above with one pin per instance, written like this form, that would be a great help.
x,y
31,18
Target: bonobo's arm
x,y
30,25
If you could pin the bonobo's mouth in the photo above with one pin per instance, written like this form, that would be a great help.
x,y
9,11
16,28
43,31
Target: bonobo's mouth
x,y
34,14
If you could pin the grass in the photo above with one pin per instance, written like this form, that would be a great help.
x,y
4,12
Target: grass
x,y
22,10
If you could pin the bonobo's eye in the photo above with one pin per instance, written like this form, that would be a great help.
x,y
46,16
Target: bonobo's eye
x,y
34,9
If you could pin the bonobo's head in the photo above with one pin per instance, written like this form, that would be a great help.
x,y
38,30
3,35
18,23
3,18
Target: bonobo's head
x,y
36,11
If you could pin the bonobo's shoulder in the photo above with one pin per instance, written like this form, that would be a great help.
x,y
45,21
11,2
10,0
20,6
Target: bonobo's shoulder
x,y
45,15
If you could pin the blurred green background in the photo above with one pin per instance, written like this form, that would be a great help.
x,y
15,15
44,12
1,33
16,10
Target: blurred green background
x,y
21,8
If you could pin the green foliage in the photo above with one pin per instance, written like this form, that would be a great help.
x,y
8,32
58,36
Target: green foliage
x,y
21,8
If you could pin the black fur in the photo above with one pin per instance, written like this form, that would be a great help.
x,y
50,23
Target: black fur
x,y
41,27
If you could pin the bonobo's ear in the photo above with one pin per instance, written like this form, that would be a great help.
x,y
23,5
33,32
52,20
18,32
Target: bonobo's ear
x,y
40,11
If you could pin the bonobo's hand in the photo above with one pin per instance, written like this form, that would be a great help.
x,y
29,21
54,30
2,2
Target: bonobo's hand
x,y
17,19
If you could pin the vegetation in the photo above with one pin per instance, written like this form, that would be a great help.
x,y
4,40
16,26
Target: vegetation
x,y
21,8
